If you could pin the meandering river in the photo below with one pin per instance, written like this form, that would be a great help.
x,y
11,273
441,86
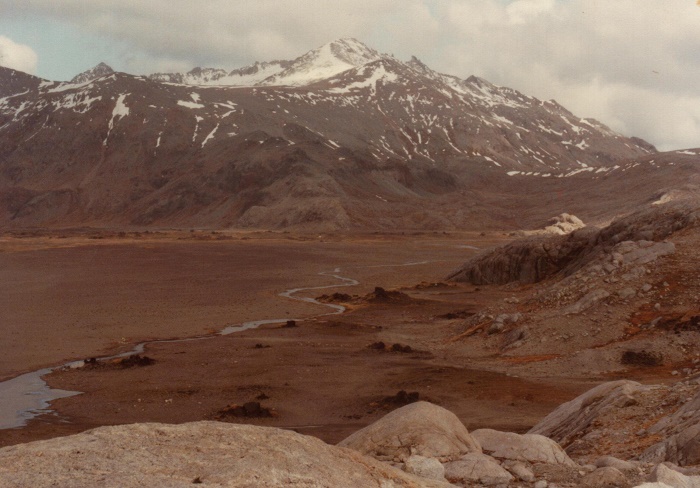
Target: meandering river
x,y
27,396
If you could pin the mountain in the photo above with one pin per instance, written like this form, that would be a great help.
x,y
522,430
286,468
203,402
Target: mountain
x,y
341,137
98,71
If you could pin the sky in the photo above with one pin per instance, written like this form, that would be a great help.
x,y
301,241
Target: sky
x,y
632,64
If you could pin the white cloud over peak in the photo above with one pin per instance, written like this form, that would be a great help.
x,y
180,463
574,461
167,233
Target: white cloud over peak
x,y
17,56
524,11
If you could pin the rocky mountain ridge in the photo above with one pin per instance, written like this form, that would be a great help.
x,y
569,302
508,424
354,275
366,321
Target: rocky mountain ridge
x,y
321,63
346,138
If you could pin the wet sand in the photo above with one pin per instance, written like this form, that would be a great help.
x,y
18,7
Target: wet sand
x,y
92,297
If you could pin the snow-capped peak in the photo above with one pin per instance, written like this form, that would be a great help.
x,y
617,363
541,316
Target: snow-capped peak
x,y
352,51
326,61
98,71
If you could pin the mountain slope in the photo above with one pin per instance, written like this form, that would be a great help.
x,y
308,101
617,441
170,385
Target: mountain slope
x,y
377,143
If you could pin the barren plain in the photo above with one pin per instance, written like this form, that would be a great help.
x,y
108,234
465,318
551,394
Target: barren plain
x,y
85,294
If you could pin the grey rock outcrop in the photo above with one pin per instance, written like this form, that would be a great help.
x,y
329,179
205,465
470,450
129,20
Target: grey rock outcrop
x,y
526,261
633,240
533,448
419,428
682,448
681,436
211,453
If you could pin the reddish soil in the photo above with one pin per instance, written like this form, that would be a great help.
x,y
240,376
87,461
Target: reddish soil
x,y
89,297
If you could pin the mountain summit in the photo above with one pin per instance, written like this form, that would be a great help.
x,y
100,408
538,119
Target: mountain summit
x,y
326,61
98,71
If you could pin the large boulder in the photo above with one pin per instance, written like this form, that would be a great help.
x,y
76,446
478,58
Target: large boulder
x,y
210,453
533,448
573,419
419,428
564,224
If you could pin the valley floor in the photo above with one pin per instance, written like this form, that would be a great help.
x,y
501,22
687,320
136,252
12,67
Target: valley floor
x,y
95,293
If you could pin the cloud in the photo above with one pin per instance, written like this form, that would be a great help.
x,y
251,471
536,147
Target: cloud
x,y
17,56
633,65
524,11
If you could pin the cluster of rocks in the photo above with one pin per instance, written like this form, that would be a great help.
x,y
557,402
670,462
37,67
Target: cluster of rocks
x,y
379,295
131,361
419,445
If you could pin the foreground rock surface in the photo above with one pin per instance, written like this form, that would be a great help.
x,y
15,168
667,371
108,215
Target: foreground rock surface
x,y
208,453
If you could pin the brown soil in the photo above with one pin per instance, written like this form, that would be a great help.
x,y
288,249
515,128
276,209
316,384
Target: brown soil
x,y
91,297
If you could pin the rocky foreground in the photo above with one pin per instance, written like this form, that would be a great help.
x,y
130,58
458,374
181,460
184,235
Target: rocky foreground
x,y
419,445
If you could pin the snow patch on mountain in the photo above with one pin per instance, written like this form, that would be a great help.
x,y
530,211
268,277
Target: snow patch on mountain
x,y
79,102
210,136
120,110
188,104
373,77
61,87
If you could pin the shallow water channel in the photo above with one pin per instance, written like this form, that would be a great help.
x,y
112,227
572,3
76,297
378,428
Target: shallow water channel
x,y
27,396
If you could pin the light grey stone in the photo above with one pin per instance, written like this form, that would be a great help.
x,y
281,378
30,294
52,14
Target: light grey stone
x,y
664,474
626,293
425,467
613,462
586,302
519,470
607,477
533,448
476,468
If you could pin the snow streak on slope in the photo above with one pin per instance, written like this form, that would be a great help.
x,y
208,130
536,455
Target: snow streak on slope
x,y
120,110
